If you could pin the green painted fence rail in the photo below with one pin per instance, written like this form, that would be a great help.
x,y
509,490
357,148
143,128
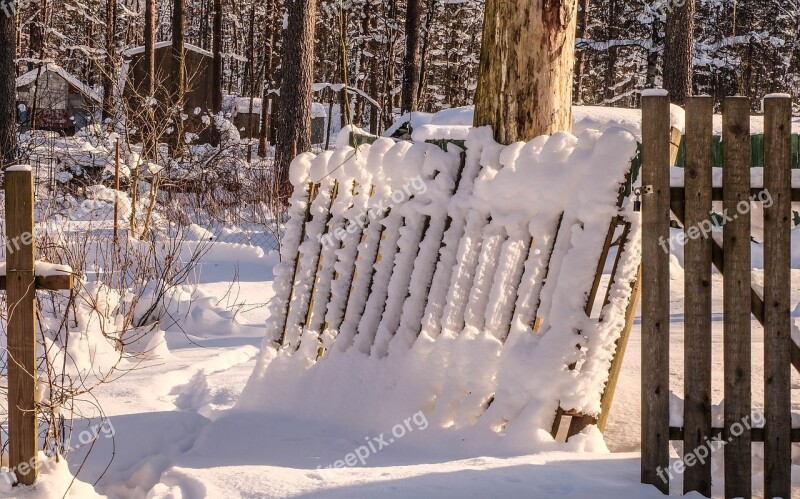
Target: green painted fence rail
x,y
757,151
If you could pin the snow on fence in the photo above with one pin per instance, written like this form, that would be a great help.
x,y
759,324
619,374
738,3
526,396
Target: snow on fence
x,y
457,282
688,193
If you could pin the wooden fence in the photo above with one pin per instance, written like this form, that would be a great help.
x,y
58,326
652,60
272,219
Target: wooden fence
x,y
328,294
691,204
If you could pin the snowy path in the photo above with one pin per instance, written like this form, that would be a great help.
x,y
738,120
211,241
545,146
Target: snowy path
x,y
174,440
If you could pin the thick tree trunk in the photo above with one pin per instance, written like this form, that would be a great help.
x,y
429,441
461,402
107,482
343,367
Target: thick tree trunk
x,y
411,60
294,116
679,51
216,95
8,108
108,72
527,58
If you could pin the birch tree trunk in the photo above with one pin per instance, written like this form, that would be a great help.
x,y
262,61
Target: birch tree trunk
x,y
8,108
527,58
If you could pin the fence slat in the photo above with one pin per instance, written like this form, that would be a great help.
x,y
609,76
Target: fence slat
x,y
655,296
736,292
697,288
630,316
295,252
20,295
777,290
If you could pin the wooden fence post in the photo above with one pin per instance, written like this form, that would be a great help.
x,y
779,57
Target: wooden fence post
x,y
777,291
21,293
697,289
655,296
736,292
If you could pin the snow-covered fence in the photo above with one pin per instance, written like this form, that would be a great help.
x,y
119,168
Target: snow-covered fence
x,y
463,283
688,194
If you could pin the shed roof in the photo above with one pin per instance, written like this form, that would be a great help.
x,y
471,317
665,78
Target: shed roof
x,y
34,74
168,43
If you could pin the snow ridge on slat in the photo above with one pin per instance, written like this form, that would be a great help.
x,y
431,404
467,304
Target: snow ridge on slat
x,y
431,303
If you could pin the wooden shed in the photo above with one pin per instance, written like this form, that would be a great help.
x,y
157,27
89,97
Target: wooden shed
x,y
199,76
58,100
248,121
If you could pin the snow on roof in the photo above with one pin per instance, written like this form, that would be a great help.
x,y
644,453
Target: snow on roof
x,y
168,43
318,110
33,75
455,123
336,87
243,107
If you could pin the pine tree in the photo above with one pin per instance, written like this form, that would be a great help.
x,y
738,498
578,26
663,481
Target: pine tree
x,y
411,61
294,116
8,108
679,51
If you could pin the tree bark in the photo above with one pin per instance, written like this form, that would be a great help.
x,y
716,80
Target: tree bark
x,y
527,59
269,78
583,24
149,85
38,34
679,51
216,95
411,61
8,107
424,48
108,72
178,68
294,116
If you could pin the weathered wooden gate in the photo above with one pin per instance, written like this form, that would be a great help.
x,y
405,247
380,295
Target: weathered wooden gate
x,y
688,194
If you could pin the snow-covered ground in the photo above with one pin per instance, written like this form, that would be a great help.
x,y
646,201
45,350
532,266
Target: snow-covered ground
x,y
176,424
172,436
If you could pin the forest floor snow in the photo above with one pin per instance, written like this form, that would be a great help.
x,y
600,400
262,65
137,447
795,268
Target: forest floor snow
x,y
174,438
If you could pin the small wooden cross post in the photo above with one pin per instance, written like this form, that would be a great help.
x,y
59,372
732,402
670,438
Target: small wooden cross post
x,y
20,283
